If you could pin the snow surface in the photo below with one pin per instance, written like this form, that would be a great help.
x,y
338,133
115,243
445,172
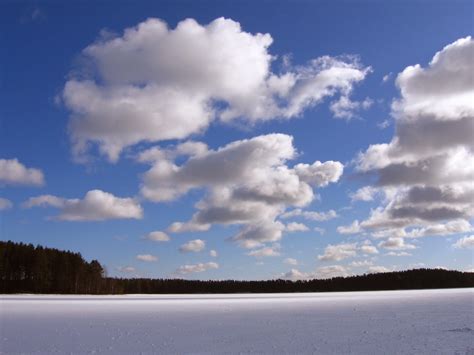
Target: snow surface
x,y
386,322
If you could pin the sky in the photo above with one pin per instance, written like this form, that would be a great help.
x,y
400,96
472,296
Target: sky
x,y
240,139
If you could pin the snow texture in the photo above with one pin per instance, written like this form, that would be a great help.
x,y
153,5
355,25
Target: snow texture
x,y
386,322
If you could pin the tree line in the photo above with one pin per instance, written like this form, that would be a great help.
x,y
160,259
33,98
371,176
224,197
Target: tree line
x,y
25,268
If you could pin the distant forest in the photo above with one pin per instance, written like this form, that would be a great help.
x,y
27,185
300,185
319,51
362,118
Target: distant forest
x,y
25,268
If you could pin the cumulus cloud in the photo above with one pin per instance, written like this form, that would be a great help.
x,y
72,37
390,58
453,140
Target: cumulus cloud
x,y
347,109
366,193
368,248
194,246
451,227
5,204
12,172
401,253
465,242
394,243
154,83
361,263
147,257
213,253
158,236
296,227
426,171
324,272
339,252
193,268
295,275
96,205
343,251
265,252
353,228
248,183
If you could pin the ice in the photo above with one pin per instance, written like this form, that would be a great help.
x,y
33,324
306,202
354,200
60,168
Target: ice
x,y
401,322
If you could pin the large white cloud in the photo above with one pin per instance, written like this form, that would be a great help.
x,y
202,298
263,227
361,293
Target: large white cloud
x,y
153,83
96,205
426,172
13,172
248,183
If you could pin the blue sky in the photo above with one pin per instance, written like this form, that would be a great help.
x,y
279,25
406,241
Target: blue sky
x,y
211,119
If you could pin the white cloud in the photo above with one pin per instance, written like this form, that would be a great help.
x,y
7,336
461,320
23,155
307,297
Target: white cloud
x,y
97,205
320,174
401,253
353,228
366,193
339,252
265,251
368,249
154,83
195,246
394,243
147,257
12,172
310,215
213,253
158,236
451,227
296,227
378,269
290,261
193,268
347,109
295,274
361,263
426,170
465,242
255,234
248,183
325,272
343,251
5,204
387,77
384,124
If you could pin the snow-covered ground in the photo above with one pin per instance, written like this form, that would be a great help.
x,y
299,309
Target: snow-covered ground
x,y
392,322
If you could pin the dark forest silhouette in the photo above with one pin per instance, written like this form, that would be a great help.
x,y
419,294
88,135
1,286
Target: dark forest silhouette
x,y
25,268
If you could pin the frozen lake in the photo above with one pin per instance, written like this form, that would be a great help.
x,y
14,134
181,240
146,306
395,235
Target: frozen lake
x,y
402,322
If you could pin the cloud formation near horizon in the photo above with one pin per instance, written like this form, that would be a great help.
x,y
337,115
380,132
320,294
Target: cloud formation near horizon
x,y
248,183
96,205
426,173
